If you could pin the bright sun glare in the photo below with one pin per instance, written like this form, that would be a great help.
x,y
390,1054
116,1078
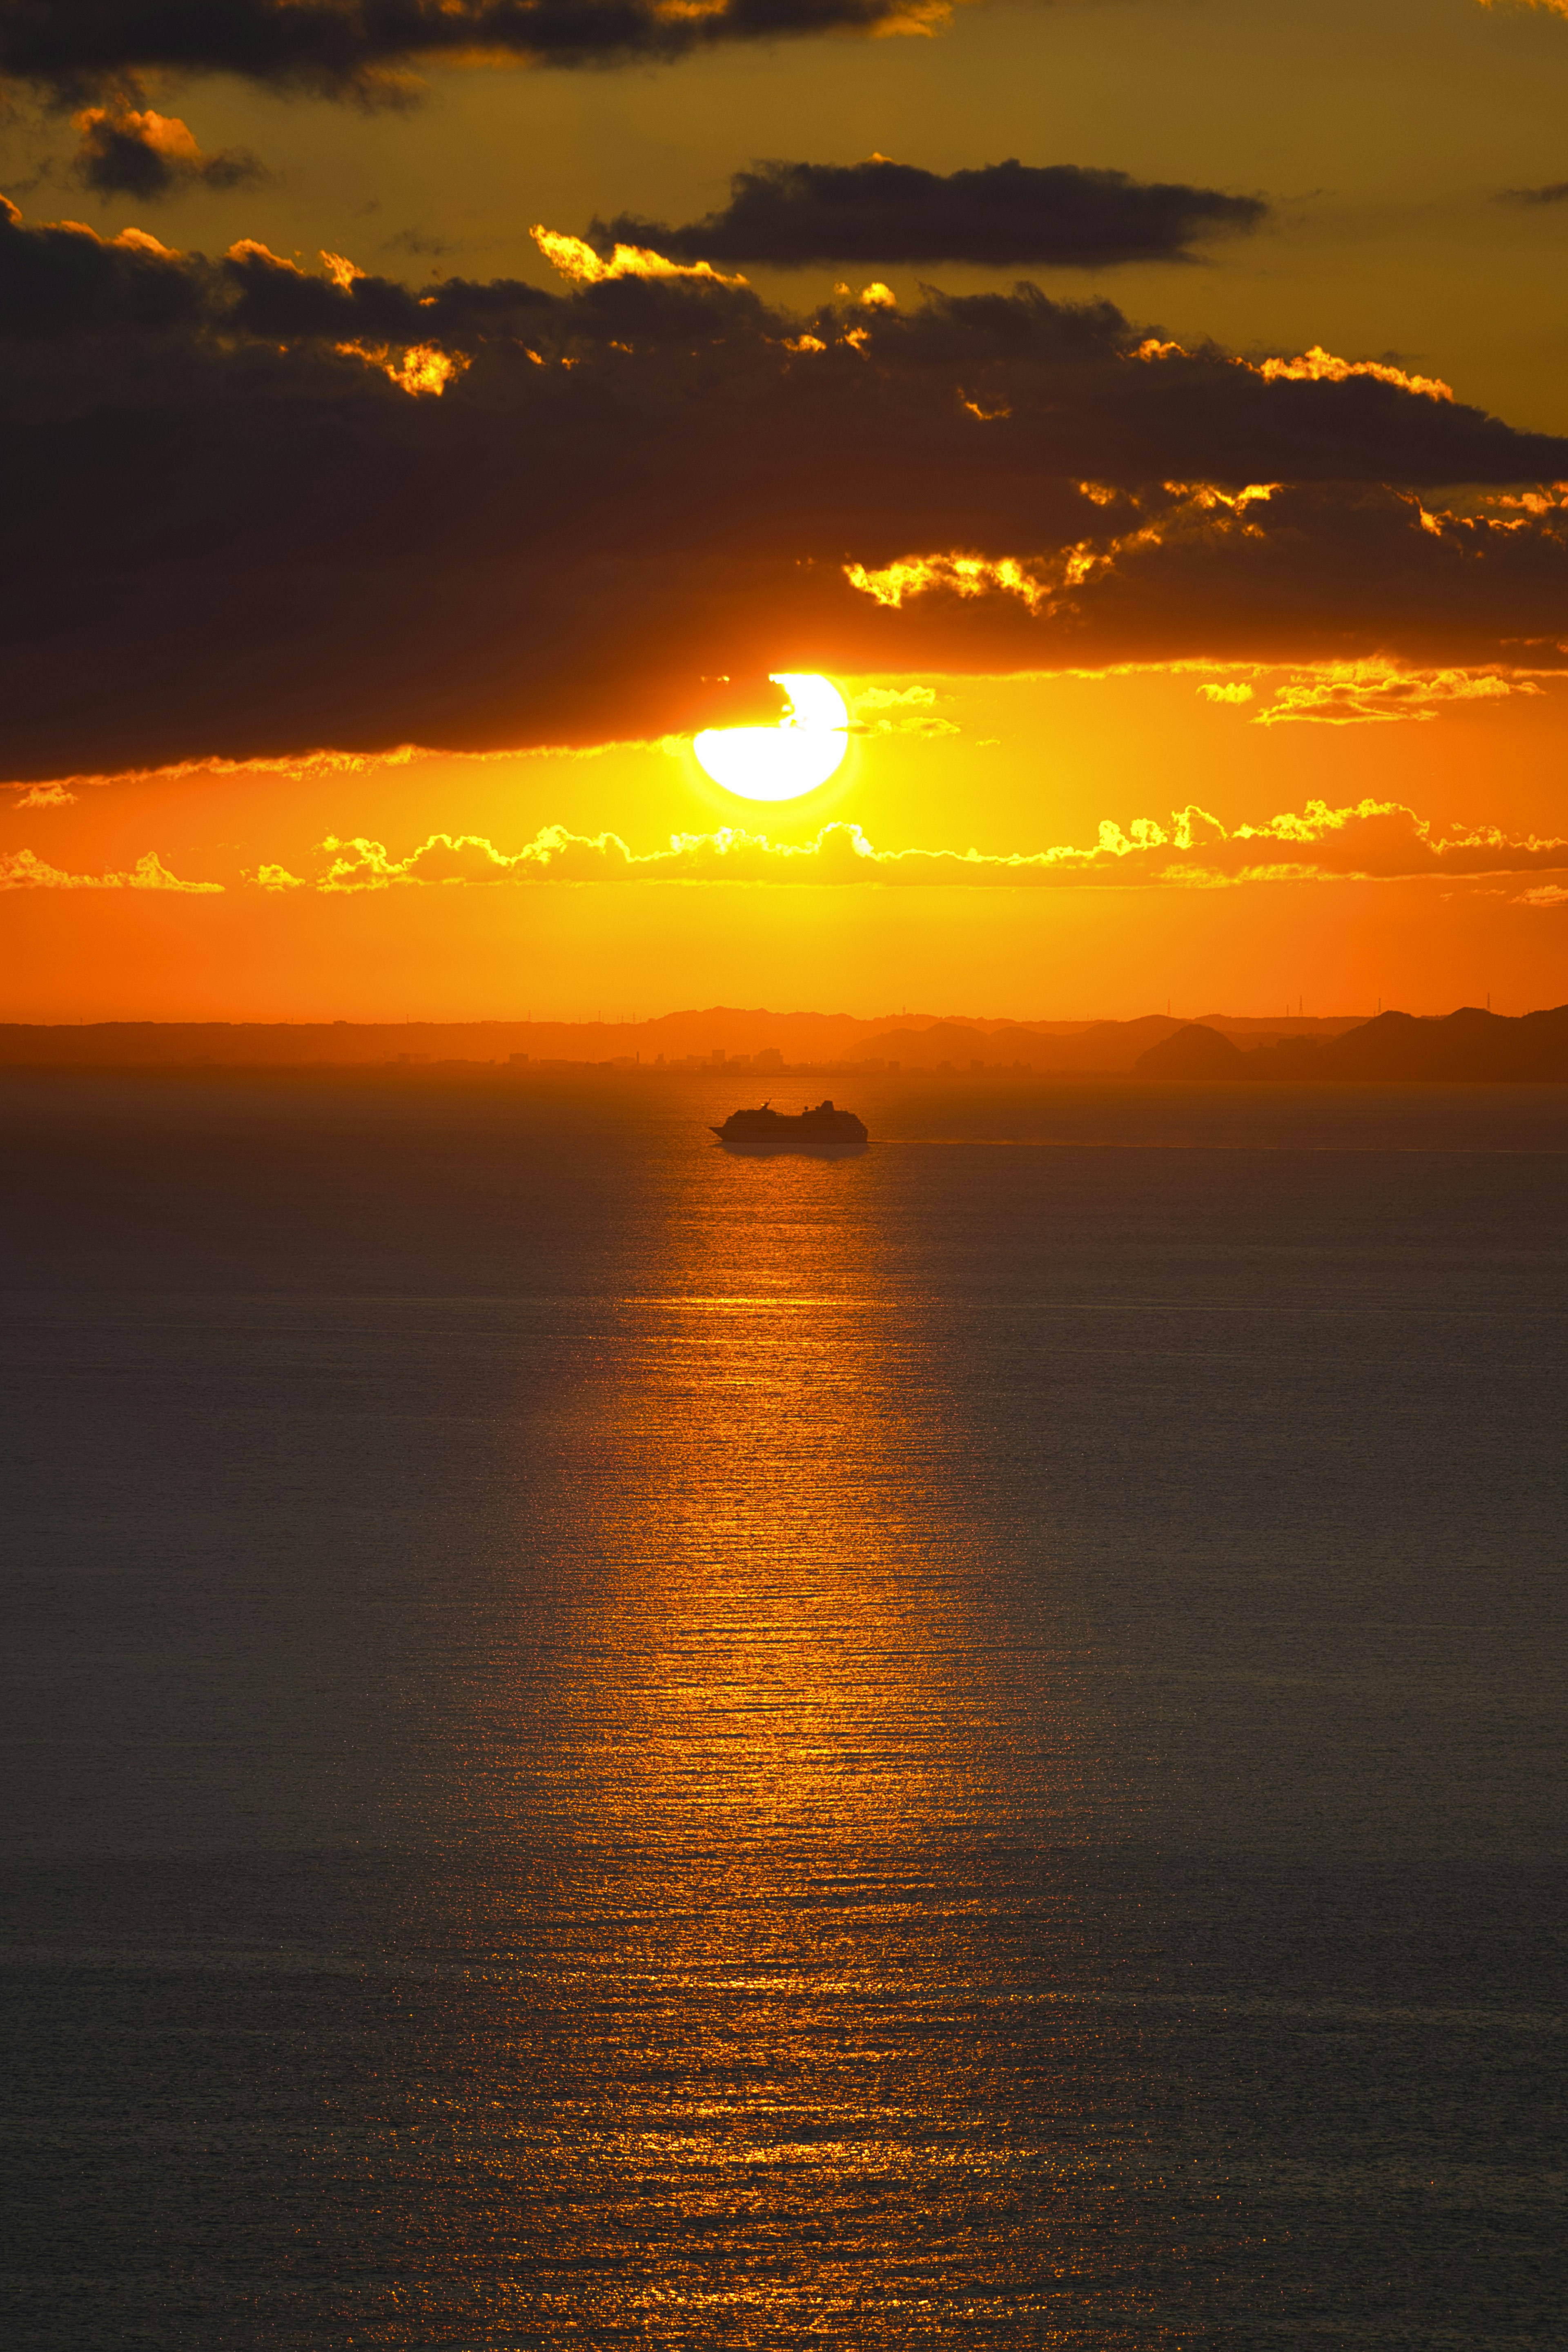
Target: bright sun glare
x,y
779,764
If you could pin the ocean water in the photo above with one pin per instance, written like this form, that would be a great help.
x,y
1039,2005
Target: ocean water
x,y
610,1744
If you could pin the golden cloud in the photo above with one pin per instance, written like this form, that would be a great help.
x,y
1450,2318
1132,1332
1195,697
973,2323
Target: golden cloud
x,y
40,796
20,869
1347,694
417,368
1318,366
578,262
1369,840
911,709
960,575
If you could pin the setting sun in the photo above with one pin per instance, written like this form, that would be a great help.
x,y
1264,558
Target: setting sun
x,y
781,763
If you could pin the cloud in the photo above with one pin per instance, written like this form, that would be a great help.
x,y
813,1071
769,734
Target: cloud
x,y
1318,366
1380,840
1551,7
1356,693
577,260
422,243
1556,193
892,697
20,869
255,507
368,50
1237,691
62,280
1270,575
900,710
126,152
1550,894
1000,215
296,766
422,370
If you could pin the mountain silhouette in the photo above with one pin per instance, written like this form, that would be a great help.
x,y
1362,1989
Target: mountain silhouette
x,y
1193,1052
1468,1045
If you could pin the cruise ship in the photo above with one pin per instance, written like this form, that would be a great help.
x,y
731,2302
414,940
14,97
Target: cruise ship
x,y
824,1130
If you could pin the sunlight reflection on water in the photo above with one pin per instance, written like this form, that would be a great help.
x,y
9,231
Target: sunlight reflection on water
x,y
616,1744
801,2025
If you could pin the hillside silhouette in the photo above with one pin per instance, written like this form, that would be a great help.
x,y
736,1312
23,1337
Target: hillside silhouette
x,y
1471,1044
726,1033
1194,1052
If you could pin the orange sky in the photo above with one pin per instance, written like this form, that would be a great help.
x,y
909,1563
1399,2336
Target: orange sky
x,y
1021,766
247,519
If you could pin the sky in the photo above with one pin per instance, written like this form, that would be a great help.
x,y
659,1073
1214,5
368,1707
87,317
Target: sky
x,y
424,419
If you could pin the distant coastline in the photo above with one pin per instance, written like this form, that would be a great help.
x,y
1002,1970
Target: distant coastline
x,y
1469,1045
1472,1043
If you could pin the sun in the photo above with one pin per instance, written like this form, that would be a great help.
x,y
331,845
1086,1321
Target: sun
x,y
779,764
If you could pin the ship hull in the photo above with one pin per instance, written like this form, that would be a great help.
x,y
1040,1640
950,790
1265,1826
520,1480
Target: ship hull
x,y
813,1147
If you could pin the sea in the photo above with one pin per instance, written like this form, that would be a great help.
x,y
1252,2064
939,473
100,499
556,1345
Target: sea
x,y
608,1744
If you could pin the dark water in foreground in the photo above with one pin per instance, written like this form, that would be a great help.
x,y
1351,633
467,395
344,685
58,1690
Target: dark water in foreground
x,y
609,1745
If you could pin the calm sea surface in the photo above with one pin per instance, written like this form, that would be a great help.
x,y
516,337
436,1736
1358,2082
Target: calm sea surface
x,y
609,1745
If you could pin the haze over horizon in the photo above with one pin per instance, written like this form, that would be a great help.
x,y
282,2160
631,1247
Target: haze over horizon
x,y
723,1043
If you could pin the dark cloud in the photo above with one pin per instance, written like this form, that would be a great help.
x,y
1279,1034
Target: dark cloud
x,y
366,49
255,509
131,153
421,243
1002,214
66,283
1556,194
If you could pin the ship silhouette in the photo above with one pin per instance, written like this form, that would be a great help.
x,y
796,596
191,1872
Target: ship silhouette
x,y
825,1132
